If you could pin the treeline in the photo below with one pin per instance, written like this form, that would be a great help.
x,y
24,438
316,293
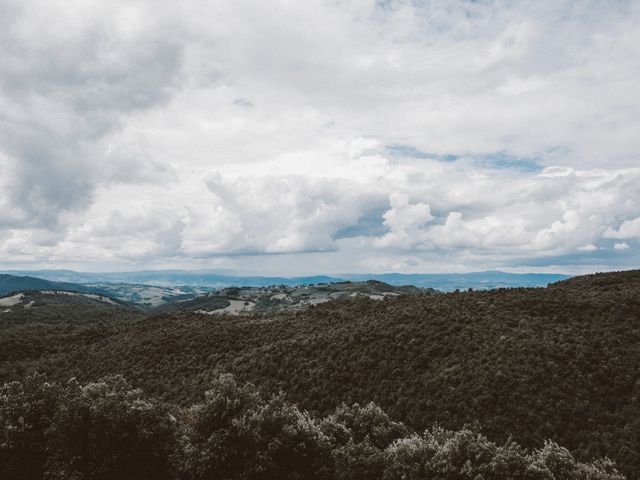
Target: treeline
x,y
108,430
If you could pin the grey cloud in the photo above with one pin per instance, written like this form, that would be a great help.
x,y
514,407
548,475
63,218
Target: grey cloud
x,y
243,103
370,224
64,87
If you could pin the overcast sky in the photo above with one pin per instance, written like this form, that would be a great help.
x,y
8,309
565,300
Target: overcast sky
x,y
299,137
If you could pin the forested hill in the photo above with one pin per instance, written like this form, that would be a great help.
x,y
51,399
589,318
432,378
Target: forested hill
x,y
558,363
281,298
14,283
624,279
42,308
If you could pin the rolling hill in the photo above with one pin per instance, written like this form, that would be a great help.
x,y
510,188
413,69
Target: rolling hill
x,y
13,284
560,362
282,298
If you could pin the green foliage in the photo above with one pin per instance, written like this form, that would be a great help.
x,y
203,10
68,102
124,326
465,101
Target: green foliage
x,y
466,455
212,438
27,409
104,430
359,435
284,443
367,424
108,430
235,434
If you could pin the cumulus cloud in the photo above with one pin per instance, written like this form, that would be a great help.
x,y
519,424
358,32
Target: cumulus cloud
x,y
628,229
275,214
406,222
408,135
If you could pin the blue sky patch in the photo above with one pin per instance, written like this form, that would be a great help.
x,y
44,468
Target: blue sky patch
x,y
497,160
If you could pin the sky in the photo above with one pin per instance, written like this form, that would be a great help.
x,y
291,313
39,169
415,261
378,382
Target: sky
x,y
290,138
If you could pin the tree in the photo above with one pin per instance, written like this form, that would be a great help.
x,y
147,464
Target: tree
x,y
359,435
236,434
26,412
212,442
107,430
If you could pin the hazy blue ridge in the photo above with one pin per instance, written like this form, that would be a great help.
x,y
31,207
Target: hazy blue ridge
x,y
441,281
476,280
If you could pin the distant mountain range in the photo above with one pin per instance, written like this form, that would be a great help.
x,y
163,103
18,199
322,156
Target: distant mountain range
x,y
448,282
169,278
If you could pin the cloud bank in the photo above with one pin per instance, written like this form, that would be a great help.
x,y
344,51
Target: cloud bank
x,y
323,136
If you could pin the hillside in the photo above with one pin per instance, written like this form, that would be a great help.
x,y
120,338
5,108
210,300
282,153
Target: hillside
x,y
556,363
46,324
282,298
628,279
14,284
59,306
149,296
246,299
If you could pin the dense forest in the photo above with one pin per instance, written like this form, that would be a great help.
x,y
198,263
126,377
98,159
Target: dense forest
x,y
560,363
107,430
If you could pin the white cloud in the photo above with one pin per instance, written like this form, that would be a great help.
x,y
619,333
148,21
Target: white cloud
x,y
145,134
628,229
621,246
406,222
280,214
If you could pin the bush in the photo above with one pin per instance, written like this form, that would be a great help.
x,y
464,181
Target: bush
x,y
108,430
26,412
